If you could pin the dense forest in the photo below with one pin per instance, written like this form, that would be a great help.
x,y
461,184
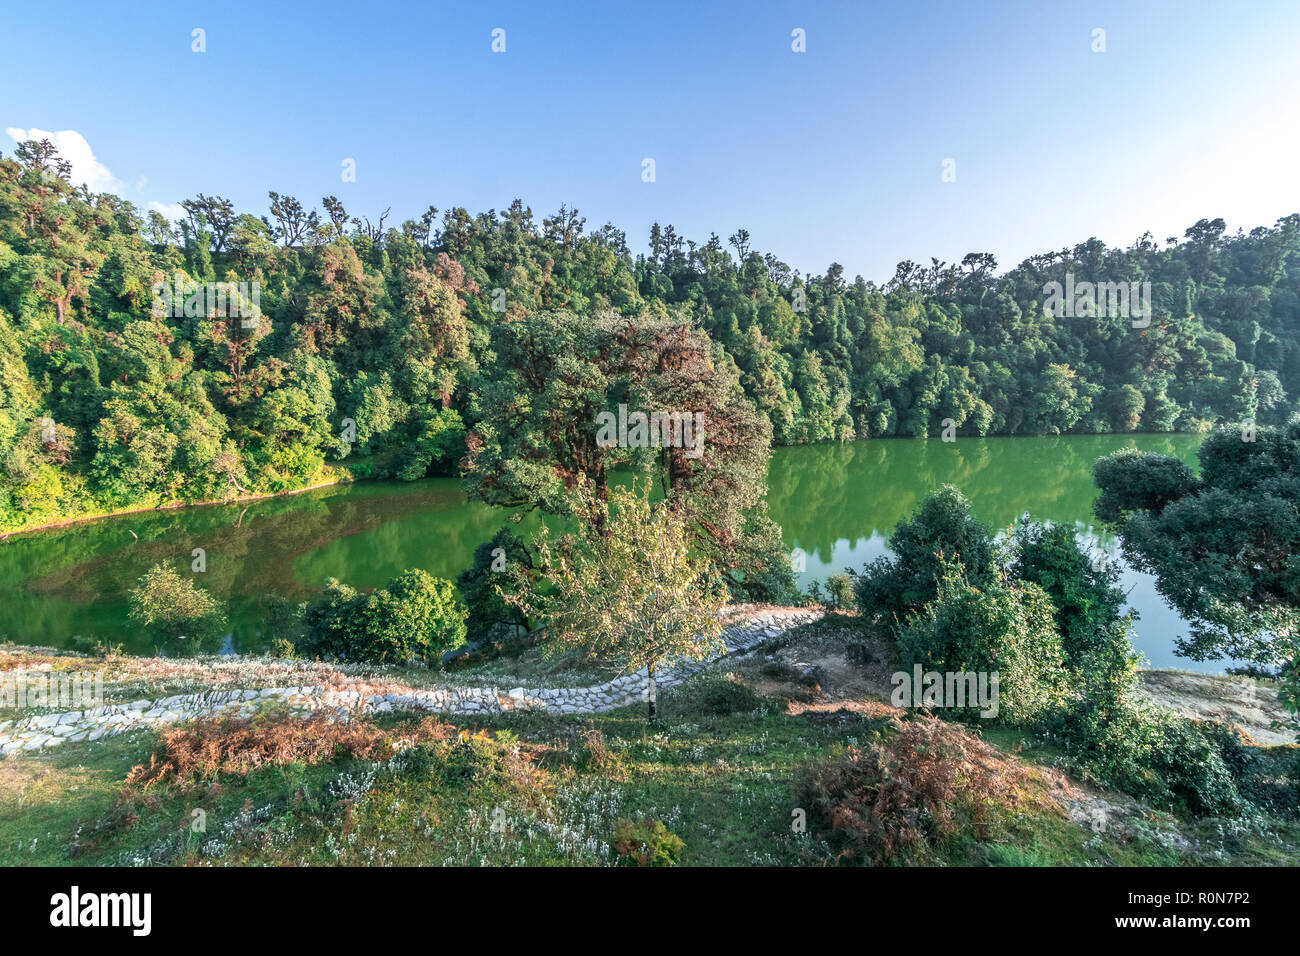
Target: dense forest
x,y
405,349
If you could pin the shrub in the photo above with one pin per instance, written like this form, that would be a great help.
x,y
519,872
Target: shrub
x,y
1128,744
1005,628
95,647
212,745
416,615
840,592
456,760
714,693
941,532
1170,761
897,800
646,843
283,648
175,612
590,753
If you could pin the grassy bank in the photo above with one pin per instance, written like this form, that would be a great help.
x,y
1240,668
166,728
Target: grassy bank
x,y
726,771
328,477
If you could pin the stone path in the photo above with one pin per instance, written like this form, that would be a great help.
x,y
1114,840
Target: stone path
x,y
360,697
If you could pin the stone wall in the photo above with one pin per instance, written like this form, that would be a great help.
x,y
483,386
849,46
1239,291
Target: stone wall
x,y
33,733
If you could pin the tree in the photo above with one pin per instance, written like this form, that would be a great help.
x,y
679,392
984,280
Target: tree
x,y
175,612
293,223
539,432
1087,604
501,565
414,616
1223,547
634,594
1005,628
438,444
943,531
338,216
1125,406
433,341
214,213
1135,481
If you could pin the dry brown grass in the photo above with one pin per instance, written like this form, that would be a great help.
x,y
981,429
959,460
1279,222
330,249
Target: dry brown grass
x,y
925,780
229,745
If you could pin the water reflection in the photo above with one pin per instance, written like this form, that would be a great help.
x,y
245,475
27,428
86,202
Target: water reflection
x,y
839,503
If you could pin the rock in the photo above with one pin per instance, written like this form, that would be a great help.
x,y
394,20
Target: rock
x,y
812,676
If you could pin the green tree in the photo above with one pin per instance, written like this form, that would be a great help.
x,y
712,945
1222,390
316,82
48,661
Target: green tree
x,y
501,565
1223,548
633,595
943,530
175,612
414,616
1087,604
436,448
1006,628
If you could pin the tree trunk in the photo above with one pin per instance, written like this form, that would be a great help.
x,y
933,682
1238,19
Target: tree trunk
x,y
650,672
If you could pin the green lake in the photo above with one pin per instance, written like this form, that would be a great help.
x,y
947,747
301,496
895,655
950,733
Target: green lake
x,y
837,505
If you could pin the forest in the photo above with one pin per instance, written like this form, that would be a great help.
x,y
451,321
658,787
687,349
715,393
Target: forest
x,y
381,349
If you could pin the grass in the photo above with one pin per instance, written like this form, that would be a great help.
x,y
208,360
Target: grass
x,y
530,789
721,770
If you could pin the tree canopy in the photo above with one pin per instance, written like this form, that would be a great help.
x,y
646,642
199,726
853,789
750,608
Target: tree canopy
x,y
514,331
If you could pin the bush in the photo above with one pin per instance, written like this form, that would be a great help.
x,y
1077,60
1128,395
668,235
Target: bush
x,y
590,753
1170,761
840,592
175,612
721,694
941,532
897,800
1005,628
416,615
646,843
212,745
1087,603
95,647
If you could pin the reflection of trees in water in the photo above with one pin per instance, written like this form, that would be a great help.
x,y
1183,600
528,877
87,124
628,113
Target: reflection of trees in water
x,y
75,580
826,493
70,581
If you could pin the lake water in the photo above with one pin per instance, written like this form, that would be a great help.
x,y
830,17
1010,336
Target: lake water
x,y
836,503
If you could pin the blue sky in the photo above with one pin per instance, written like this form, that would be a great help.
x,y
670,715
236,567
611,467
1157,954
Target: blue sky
x,y
834,154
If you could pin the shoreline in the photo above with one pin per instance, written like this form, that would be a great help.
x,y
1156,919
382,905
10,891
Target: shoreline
x,y
178,506
353,479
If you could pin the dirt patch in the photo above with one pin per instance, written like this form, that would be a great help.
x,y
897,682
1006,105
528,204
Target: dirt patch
x,y
1241,701
821,666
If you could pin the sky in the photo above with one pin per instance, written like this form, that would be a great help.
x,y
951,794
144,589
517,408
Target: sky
x,y
834,154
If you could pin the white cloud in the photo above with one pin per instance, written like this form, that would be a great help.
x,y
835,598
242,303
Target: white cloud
x,y
72,146
173,211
